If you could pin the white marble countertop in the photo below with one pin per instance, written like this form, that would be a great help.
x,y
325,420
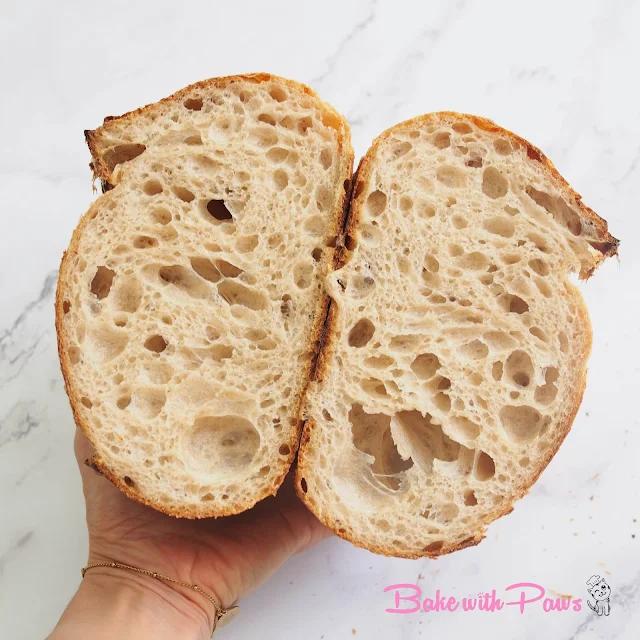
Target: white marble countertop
x,y
562,74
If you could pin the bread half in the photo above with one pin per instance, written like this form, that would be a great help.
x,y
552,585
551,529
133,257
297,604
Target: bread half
x,y
190,301
456,345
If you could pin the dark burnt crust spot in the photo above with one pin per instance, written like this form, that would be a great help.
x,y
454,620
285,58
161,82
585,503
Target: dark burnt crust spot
x,y
93,464
606,248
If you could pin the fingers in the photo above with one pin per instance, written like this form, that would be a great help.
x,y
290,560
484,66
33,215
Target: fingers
x,y
82,447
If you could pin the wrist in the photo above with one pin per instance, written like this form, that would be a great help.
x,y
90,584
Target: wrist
x,y
116,603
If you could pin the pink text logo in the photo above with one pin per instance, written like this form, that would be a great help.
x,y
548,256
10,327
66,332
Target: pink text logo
x,y
524,595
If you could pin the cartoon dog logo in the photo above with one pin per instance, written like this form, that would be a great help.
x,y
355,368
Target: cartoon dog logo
x,y
601,591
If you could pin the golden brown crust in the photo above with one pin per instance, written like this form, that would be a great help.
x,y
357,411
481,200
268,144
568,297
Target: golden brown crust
x,y
95,138
101,171
607,246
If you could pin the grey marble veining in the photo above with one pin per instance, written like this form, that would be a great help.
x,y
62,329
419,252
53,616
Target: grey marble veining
x,y
560,74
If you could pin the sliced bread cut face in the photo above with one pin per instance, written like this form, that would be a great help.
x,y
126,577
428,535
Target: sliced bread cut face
x,y
191,295
457,346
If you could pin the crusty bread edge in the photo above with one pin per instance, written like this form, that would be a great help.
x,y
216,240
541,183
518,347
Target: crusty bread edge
x,y
316,337
608,248
94,137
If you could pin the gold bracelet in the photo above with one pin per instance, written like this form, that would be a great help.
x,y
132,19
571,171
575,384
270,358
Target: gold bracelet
x,y
222,617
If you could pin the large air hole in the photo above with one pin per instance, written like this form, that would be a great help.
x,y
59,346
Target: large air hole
x,y
205,269
122,153
144,242
102,281
442,139
235,293
361,333
547,393
155,343
513,304
502,146
496,371
263,136
462,127
277,155
442,402
425,365
267,119
540,266
152,187
400,149
183,194
372,435
380,362
281,179
246,244
324,198
218,210
374,387
376,203
407,342
494,184
474,350
304,124
544,288
521,423
183,279
221,444
470,499
227,269
326,158
519,368
475,162
500,226
558,208
539,333
193,104
484,468
431,263
423,440
161,215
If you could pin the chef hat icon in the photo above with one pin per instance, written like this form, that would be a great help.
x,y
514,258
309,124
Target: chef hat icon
x,y
593,580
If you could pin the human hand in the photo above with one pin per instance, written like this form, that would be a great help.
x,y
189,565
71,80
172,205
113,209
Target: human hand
x,y
228,557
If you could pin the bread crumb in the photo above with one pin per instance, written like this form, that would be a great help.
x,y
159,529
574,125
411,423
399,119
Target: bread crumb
x,y
353,631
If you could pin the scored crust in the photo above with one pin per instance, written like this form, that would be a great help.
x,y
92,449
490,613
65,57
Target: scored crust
x,y
99,142
602,244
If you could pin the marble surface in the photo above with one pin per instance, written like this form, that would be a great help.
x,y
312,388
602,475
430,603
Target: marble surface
x,y
559,73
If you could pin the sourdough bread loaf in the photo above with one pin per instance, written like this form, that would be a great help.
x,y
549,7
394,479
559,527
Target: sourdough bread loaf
x,y
191,296
457,344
